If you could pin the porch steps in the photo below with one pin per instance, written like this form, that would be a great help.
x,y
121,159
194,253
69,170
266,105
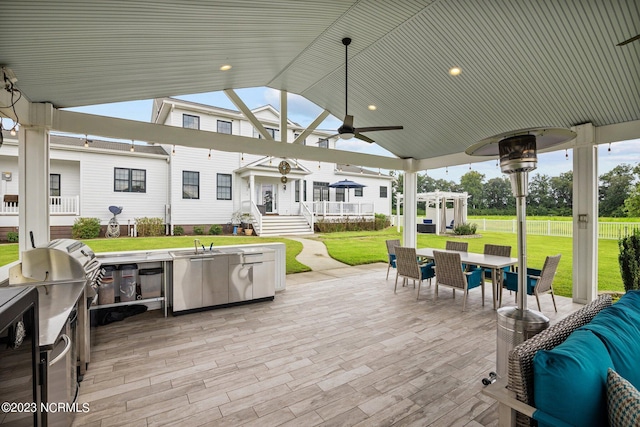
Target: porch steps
x,y
281,225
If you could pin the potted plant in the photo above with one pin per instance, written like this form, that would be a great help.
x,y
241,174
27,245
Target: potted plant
x,y
236,219
629,259
248,230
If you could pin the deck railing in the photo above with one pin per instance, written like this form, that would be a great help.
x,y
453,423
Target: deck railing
x,y
338,209
57,206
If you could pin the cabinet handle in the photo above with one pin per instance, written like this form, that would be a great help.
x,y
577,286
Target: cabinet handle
x,y
67,347
251,263
195,259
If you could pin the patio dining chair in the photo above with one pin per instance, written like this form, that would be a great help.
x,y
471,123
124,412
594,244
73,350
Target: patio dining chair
x,y
498,250
391,254
457,246
408,267
538,281
450,274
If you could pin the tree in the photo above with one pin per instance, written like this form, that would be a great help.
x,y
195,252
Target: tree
x,y
562,191
540,197
615,187
497,194
473,182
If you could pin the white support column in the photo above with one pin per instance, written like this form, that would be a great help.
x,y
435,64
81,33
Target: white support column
x,y
410,209
252,186
283,116
585,215
33,175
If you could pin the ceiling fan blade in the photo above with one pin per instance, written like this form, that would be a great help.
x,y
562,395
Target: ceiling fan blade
x,y
348,121
363,138
326,138
632,39
377,128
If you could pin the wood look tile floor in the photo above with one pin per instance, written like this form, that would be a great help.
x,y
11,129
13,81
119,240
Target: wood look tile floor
x,y
338,349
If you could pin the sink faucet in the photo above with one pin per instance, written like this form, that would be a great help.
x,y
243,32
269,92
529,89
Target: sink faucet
x,y
196,243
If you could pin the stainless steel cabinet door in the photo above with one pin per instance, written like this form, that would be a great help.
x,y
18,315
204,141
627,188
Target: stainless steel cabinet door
x,y
187,284
215,281
241,282
264,283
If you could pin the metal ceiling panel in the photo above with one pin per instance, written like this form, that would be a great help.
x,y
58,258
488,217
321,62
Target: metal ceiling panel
x,y
524,64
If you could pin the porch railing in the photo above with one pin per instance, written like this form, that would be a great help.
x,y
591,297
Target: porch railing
x,y
307,214
250,207
69,205
338,209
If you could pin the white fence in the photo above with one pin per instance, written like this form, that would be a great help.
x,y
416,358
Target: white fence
x,y
606,230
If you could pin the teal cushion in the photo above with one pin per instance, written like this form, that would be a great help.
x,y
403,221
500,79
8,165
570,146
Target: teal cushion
x,y
392,260
569,380
427,271
618,327
623,401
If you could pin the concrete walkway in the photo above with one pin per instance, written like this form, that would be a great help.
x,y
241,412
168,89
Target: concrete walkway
x,y
314,255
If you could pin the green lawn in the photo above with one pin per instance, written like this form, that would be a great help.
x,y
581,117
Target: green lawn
x,y
355,248
367,247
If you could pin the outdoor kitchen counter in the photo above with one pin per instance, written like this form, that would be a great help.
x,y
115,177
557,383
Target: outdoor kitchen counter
x,y
55,303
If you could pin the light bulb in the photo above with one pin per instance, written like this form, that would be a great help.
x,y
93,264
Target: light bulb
x,y
173,150
209,154
13,131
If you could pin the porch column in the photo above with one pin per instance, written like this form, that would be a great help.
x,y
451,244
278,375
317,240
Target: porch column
x,y
585,215
33,187
410,209
252,185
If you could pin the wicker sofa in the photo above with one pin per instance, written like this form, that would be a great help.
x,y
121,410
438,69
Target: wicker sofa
x,y
560,376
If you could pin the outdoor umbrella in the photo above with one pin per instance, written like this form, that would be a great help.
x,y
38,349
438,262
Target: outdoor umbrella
x,y
345,183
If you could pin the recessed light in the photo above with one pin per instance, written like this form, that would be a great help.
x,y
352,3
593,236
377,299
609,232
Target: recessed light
x,y
372,107
455,71
225,67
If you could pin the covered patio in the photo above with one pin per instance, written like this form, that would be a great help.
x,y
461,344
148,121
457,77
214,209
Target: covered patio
x,y
336,348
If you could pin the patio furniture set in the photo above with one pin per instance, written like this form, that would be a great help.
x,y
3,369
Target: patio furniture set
x,y
581,371
456,268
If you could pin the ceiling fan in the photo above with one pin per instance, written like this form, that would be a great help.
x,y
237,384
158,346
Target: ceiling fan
x,y
347,130
632,39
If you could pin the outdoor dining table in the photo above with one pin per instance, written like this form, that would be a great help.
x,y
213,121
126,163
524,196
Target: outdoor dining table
x,y
494,262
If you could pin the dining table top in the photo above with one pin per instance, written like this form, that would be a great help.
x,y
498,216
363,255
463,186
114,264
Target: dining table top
x,y
483,260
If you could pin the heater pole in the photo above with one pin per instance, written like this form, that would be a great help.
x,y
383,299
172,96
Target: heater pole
x,y
521,213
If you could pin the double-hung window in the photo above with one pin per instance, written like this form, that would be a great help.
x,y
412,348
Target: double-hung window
x,y
190,122
54,184
130,180
383,191
224,186
190,185
224,127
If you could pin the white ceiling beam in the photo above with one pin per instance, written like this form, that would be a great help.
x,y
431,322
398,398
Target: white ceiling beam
x,y
240,105
81,123
618,132
314,124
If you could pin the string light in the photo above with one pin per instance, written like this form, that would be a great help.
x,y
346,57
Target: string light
x,y
446,170
566,154
469,166
173,150
86,141
361,170
242,157
270,158
609,149
496,162
13,130
318,165
132,149
209,154
379,172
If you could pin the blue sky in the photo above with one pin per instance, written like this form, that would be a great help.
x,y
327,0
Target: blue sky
x,y
303,112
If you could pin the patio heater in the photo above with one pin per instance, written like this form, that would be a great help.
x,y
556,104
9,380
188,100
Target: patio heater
x,y
518,156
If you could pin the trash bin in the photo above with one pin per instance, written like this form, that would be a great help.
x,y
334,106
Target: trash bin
x,y
108,285
150,282
128,281
515,326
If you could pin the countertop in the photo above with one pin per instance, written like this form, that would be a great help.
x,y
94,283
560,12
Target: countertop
x,y
55,305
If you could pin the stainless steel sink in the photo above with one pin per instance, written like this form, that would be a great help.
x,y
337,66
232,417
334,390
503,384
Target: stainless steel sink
x,y
189,253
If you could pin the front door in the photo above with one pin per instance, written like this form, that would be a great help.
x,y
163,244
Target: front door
x,y
268,198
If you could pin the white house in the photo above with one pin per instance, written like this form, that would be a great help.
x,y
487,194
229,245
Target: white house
x,y
188,186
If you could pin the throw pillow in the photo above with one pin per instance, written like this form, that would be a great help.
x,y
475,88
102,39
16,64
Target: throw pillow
x,y
623,401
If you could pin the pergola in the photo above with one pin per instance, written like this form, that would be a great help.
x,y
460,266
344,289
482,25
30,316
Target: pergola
x,y
436,208
524,64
